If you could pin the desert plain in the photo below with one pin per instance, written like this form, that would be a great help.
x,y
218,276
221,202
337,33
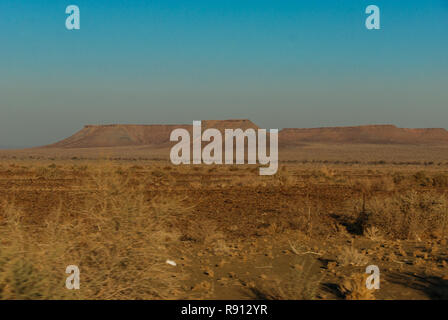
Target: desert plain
x,y
109,201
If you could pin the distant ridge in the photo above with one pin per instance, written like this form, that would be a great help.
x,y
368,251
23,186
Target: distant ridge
x,y
368,134
119,135
157,135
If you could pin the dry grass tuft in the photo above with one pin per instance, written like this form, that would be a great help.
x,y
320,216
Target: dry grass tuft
x,y
304,284
354,288
350,256
373,233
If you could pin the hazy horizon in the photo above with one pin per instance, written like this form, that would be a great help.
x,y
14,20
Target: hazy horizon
x,y
278,63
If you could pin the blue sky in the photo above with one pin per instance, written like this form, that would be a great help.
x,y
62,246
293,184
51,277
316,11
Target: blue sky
x,y
279,63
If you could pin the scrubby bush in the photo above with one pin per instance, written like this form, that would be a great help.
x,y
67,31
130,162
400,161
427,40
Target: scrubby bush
x,y
118,238
409,215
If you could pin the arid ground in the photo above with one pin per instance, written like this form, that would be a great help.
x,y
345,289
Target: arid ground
x,y
306,233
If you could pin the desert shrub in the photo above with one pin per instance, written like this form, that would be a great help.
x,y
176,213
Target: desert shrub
x,y
354,288
324,173
409,215
327,172
50,172
22,275
440,180
398,177
350,256
373,233
81,170
308,218
362,185
285,179
118,238
383,184
304,283
422,179
158,173
200,231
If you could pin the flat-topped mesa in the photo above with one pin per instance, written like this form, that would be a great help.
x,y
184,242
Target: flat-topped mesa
x,y
158,135
368,134
119,135
230,124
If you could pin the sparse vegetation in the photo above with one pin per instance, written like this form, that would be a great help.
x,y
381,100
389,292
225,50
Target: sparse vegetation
x,y
117,236
354,288
306,233
349,256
